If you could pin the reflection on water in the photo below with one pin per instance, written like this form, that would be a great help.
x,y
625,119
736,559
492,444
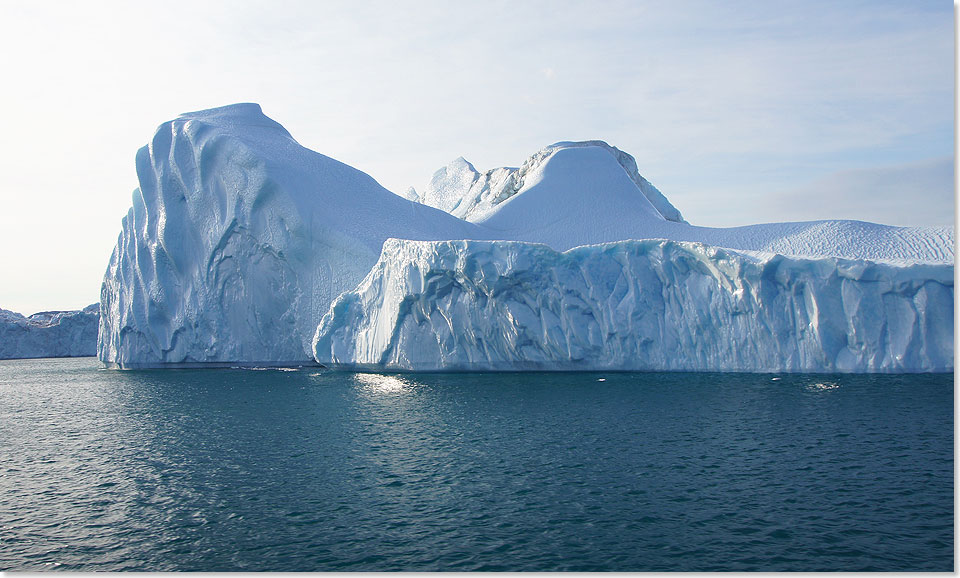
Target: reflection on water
x,y
222,470
822,386
383,383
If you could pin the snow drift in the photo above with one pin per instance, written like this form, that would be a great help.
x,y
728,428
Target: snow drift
x,y
49,333
238,240
637,305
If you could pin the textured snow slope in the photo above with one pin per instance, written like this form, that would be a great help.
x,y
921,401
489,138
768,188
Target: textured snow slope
x,y
49,334
641,305
238,240
573,194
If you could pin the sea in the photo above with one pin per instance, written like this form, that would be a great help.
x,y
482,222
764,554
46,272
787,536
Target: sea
x,y
314,470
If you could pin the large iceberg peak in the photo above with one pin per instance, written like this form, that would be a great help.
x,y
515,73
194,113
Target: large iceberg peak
x,y
238,240
575,195
464,192
629,164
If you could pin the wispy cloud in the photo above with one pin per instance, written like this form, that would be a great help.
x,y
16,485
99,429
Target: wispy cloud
x,y
911,194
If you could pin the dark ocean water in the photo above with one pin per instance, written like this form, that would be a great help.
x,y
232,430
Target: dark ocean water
x,y
303,470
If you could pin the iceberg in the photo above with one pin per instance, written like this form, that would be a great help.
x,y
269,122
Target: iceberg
x,y
637,305
239,239
49,333
242,247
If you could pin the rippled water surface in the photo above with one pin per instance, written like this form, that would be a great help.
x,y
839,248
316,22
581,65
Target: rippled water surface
x,y
305,470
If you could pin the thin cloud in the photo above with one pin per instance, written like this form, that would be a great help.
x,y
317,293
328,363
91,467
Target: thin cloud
x,y
907,195
721,102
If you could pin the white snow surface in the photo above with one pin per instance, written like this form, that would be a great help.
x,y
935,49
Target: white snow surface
x,y
637,305
462,191
238,240
573,194
49,333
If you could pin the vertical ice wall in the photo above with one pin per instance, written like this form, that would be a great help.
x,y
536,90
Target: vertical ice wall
x,y
238,240
637,305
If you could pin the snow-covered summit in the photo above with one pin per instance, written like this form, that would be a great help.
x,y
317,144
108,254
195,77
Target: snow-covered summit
x,y
246,115
572,188
462,191
627,162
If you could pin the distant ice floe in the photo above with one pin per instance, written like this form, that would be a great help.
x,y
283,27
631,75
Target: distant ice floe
x,y
49,333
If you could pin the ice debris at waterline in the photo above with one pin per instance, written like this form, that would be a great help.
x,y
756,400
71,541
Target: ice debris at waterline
x,y
636,305
49,333
240,240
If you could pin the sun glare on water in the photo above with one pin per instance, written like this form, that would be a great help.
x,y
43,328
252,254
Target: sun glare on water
x,y
822,386
382,383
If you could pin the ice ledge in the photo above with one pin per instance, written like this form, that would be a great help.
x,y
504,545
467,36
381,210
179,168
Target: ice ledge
x,y
651,305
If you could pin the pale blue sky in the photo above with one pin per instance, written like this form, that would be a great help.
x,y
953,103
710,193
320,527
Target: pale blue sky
x,y
740,112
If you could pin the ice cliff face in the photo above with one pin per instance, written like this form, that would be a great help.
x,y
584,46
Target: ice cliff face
x,y
49,334
238,240
637,305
